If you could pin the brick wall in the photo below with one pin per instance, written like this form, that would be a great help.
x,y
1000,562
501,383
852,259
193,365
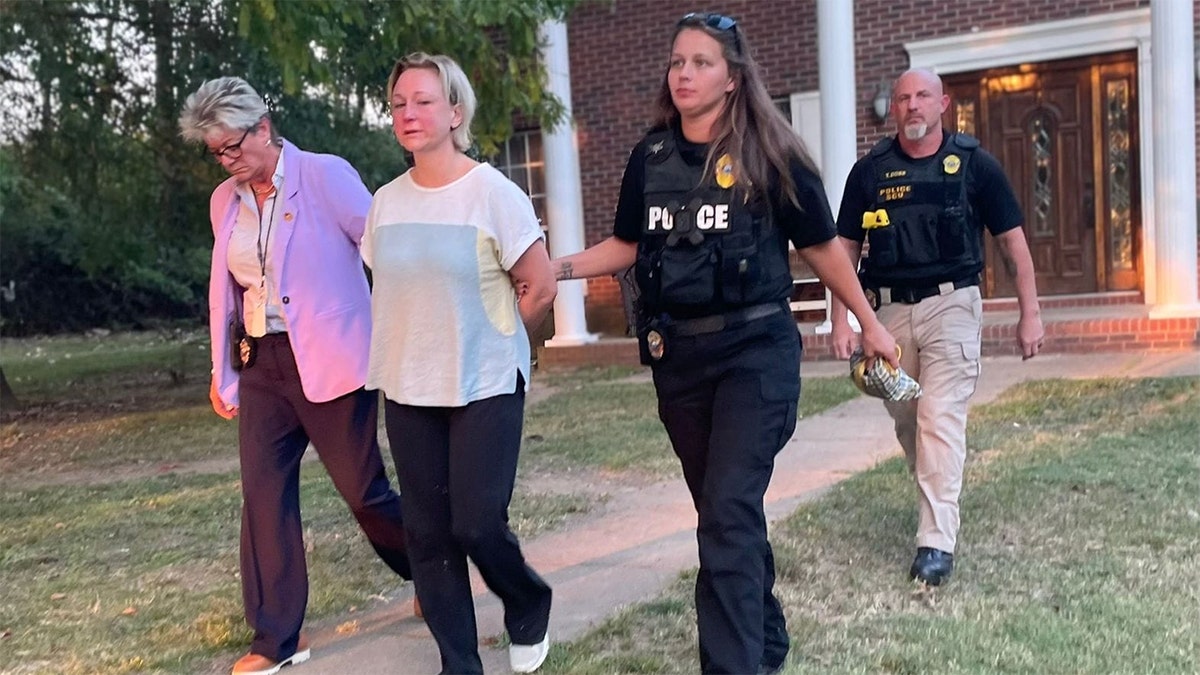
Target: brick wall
x,y
618,59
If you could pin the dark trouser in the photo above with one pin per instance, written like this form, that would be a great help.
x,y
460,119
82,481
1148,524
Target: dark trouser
x,y
728,401
276,423
457,467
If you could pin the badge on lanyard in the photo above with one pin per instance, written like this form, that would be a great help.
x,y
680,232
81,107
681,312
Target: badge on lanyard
x,y
256,322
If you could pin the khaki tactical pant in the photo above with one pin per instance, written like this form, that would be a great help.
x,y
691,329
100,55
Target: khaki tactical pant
x,y
939,338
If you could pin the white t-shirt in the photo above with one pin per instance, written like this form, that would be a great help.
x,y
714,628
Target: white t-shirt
x,y
446,327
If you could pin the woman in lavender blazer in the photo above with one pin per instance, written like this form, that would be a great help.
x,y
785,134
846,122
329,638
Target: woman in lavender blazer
x,y
286,270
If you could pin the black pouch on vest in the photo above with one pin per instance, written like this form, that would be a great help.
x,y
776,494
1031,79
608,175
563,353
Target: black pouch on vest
x,y
243,349
688,275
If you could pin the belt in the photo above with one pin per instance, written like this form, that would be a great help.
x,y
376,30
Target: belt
x,y
911,295
719,322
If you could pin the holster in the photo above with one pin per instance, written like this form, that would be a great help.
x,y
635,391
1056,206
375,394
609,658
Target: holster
x,y
243,349
870,290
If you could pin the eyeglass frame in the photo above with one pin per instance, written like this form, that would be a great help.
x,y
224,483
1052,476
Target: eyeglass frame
x,y
720,22
232,151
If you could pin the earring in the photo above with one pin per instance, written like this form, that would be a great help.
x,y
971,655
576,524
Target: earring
x,y
268,142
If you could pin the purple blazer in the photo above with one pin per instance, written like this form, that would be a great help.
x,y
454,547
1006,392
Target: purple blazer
x,y
314,253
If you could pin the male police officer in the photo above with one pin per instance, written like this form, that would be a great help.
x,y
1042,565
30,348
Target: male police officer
x,y
921,200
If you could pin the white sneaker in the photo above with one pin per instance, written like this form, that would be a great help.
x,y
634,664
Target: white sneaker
x,y
528,658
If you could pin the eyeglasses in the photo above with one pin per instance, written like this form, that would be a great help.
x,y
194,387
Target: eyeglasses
x,y
716,21
232,151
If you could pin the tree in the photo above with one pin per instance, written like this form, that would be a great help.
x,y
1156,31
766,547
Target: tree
x,y
94,88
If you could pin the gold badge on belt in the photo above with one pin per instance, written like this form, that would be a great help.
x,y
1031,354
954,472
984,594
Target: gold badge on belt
x,y
655,344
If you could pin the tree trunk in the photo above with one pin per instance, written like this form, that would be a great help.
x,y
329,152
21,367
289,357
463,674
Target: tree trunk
x,y
8,399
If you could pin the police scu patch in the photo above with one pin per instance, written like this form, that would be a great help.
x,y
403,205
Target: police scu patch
x,y
725,177
951,164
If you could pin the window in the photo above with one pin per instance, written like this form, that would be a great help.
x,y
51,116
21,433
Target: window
x,y
803,110
521,159
805,116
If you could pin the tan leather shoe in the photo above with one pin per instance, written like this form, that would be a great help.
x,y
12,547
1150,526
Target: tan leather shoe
x,y
255,664
417,608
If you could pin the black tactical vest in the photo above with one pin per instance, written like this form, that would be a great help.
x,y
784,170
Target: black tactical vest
x,y
704,249
929,236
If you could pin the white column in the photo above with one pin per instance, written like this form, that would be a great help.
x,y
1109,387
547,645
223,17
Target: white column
x,y
564,201
839,119
1173,82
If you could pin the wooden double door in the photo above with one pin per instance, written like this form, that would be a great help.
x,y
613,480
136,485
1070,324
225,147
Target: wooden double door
x,y
1066,134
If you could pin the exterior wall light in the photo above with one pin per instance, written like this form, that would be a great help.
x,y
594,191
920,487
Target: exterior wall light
x,y
882,101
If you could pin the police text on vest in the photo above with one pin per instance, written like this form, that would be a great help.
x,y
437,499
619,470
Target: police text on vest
x,y
708,217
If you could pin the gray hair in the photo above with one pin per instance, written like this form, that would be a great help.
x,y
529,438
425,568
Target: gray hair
x,y
226,102
454,83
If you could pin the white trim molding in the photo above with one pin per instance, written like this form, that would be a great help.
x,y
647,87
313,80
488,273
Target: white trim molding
x,y
1084,36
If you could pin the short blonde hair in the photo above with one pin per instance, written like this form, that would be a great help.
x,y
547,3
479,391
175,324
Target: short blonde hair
x,y
226,102
454,83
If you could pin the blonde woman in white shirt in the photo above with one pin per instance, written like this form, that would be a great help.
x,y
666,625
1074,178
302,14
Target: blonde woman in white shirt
x,y
448,242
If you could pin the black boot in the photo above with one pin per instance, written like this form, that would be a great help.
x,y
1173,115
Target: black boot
x,y
931,566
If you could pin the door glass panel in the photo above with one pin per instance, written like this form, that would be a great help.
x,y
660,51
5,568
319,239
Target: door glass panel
x,y
964,117
1041,146
1117,160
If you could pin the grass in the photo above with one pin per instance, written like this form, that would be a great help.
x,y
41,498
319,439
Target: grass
x,y
43,369
1079,553
121,501
142,575
607,419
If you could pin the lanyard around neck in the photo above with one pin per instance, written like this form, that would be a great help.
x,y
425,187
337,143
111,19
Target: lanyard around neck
x,y
264,244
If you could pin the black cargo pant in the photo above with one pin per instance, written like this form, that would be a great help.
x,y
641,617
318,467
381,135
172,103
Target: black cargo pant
x,y
728,401
457,467
275,424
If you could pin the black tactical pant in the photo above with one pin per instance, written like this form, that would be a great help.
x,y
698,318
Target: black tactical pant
x,y
728,401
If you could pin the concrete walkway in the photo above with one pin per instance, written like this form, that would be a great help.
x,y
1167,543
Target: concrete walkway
x,y
646,535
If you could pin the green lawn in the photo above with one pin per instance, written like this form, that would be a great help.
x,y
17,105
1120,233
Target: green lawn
x,y
121,499
1079,553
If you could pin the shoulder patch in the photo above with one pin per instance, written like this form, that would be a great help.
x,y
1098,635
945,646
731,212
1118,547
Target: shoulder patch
x,y
658,148
965,141
882,146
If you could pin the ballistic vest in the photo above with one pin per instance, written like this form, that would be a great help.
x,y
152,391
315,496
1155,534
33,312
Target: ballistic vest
x,y
704,249
920,228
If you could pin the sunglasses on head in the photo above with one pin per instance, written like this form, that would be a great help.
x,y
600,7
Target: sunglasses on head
x,y
715,21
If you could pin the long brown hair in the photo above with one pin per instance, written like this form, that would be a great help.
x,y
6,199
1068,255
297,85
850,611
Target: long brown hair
x,y
754,133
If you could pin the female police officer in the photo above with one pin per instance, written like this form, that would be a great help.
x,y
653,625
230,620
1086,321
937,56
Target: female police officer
x,y
709,199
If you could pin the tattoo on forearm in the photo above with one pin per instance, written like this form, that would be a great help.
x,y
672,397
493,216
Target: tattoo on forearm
x,y
565,271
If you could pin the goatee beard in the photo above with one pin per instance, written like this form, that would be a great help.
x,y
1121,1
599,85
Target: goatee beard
x,y
915,132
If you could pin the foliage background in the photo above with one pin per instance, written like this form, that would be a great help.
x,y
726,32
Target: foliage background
x,y
103,209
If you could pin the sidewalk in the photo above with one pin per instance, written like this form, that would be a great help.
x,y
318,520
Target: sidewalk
x,y
646,536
